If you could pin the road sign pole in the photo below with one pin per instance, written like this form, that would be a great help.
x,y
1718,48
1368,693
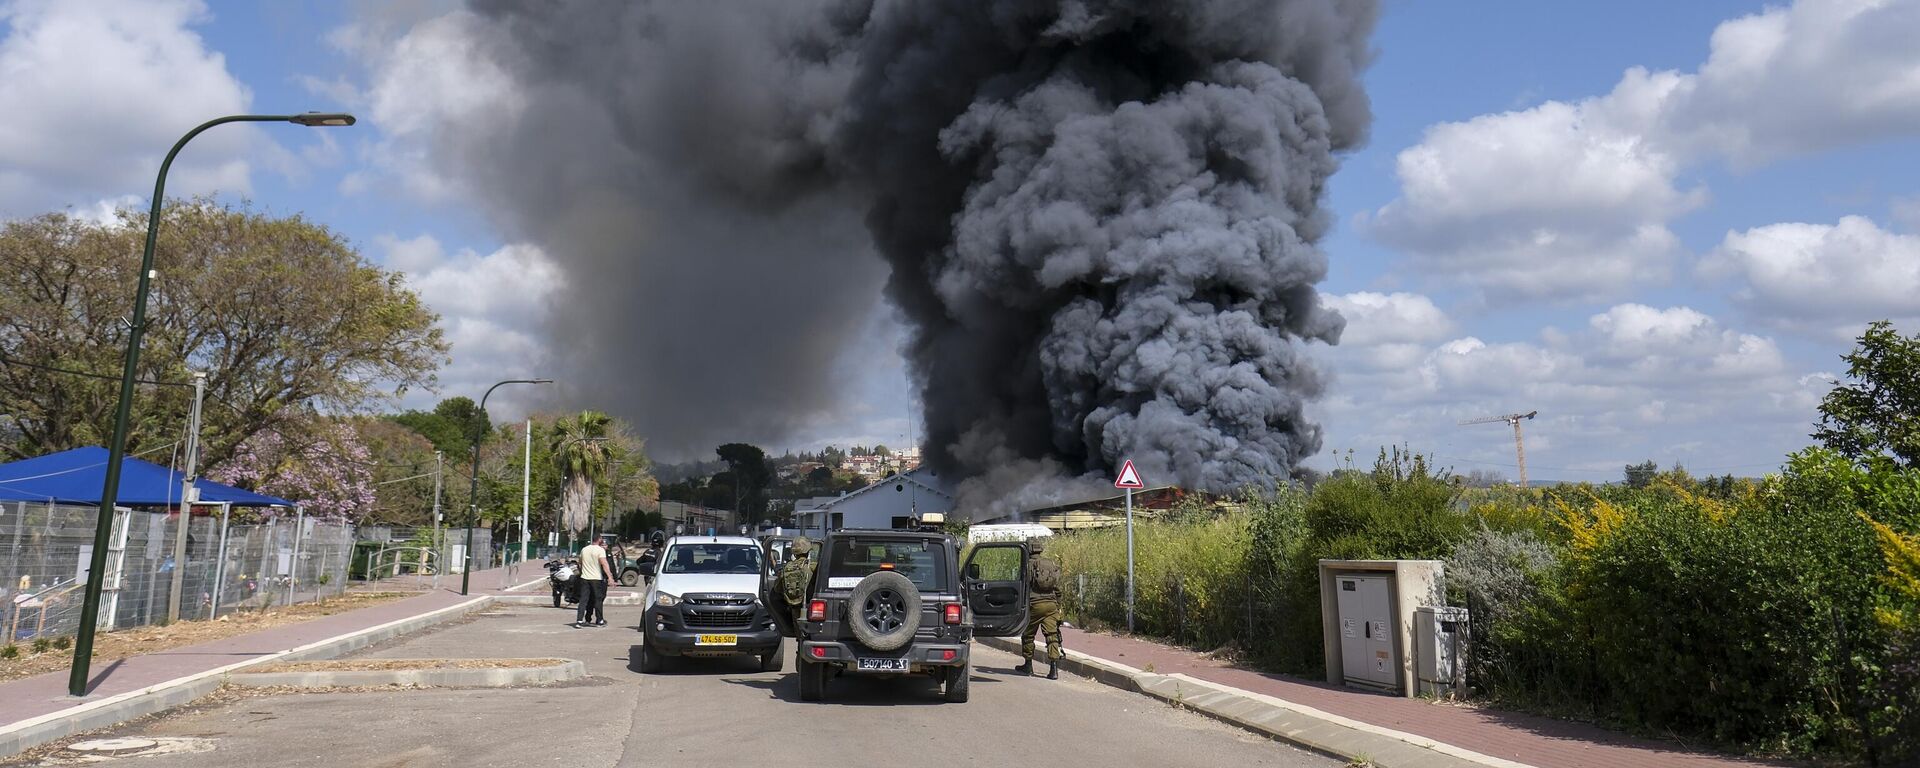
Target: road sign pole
x,y
1129,560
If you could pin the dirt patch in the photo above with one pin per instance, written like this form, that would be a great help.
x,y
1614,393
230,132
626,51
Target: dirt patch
x,y
113,646
386,665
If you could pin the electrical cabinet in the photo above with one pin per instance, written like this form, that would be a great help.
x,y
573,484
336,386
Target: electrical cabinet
x,y
1366,636
1439,636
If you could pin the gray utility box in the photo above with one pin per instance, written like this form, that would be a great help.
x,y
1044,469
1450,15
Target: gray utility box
x,y
1439,639
1367,614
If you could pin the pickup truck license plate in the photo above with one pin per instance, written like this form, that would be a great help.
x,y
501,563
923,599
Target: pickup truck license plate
x,y
883,665
717,640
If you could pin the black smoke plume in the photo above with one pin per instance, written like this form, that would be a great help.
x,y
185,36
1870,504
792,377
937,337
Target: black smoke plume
x,y
1100,217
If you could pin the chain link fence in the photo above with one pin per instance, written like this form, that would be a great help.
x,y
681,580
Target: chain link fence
x,y
47,549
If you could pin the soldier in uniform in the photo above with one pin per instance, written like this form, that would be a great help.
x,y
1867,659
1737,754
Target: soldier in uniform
x,y
796,576
1043,608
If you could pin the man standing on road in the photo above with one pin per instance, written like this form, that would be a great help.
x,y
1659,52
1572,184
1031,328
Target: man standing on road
x,y
1043,609
796,576
594,572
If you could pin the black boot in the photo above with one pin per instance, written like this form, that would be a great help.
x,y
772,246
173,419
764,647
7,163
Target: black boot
x,y
1053,669
1025,668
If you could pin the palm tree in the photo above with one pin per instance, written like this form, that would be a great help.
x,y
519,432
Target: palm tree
x,y
579,451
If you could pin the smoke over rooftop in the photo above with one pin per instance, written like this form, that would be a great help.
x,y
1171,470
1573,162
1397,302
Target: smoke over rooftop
x,y
1098,217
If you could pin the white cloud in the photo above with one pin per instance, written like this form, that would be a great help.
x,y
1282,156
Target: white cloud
x,y
1636,382
1815,75
1565,200
96,92
1572,199
1377,318
1824,279
491,306
427,75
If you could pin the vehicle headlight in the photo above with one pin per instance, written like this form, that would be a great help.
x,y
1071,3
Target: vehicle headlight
x,y
666,601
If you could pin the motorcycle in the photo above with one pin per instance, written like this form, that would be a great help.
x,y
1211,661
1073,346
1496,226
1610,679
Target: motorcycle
x,y
563,576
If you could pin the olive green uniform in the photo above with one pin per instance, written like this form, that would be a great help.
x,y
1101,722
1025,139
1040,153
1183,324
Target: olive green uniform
x,y
1043,608
795,578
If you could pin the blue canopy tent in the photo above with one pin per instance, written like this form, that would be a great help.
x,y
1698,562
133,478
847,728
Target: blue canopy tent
x,y
77,476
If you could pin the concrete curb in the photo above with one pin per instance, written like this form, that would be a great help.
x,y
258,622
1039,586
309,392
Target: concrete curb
x,y
547,600
1296,724
426,676
92,715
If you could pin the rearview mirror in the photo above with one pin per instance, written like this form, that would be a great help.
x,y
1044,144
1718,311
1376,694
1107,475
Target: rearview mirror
x,y
973,571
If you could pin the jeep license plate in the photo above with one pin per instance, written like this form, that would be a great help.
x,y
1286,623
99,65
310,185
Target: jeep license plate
x,y
883,665
717,640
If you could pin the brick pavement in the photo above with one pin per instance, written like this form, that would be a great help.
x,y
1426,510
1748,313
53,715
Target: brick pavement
x,y
1529,739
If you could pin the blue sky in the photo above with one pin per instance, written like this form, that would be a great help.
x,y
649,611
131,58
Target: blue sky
x,y
1639,317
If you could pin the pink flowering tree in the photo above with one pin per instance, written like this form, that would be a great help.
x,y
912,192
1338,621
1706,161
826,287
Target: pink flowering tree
x,y
326,469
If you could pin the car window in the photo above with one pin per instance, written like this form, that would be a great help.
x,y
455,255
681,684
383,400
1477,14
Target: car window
x,y
922,561
997,563
712,558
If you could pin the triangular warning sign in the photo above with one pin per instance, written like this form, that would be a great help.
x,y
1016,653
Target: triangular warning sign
x,y
1129,477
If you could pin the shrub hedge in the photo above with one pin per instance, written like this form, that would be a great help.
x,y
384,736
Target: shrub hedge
x,y
1779,617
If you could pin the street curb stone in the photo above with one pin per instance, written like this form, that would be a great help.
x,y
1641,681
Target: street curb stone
x,y
497,677
91,715
1286,721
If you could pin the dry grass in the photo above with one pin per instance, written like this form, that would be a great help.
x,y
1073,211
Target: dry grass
x,y
113,646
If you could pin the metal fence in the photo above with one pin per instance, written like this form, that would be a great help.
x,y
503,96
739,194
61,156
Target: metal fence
x,y
45,550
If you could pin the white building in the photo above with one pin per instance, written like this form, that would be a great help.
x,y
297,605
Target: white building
x,y
891,503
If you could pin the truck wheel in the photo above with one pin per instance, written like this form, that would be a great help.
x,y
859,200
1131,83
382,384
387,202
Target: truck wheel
x,y
958,679
813,681
886,610
629,578
650,661
772,661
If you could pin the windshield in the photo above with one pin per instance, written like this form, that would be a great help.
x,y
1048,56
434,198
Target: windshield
x,y
923,561
712,558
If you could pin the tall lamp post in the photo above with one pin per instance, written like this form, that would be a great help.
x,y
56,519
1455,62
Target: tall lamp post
x,y
117,447
473,489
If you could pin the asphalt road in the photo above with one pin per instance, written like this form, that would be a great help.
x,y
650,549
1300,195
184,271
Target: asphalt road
x,y
701,714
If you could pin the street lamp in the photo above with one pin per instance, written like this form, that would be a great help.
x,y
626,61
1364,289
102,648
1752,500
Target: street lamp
x,y
473,489
117,447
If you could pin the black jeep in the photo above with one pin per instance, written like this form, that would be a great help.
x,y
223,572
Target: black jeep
x,y
893,603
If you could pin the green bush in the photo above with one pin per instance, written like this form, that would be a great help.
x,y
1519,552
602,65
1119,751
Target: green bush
x,y
42,644
9,651
62,643
1739,625
1401,510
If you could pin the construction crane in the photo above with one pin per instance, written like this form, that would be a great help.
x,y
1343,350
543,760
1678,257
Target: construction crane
x,y
1519,442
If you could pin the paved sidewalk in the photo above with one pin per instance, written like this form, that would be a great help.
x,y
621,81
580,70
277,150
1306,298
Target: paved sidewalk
x,y
45,694
1527,739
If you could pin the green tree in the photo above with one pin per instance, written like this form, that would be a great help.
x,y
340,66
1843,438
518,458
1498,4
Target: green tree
x,y
881,450
403,469
1641,475
1877,414
749,475
281,313
451,425
820,478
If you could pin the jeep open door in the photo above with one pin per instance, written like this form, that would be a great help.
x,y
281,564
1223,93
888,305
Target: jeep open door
x,y
774,601
995,588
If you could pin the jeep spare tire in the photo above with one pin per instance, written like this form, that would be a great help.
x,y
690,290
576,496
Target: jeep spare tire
x,y
885,611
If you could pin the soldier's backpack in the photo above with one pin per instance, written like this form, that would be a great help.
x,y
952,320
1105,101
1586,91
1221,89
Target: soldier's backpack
x,y
1046,575
793,581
